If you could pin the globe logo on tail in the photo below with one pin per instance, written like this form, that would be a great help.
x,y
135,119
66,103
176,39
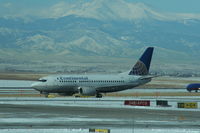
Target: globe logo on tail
x,y
139,69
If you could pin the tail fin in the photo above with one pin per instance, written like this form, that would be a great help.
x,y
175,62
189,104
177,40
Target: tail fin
x,y
143,64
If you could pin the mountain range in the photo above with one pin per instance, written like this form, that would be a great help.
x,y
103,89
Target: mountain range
x,y
99,31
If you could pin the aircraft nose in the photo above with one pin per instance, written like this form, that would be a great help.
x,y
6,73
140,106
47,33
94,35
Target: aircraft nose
x,y
36,85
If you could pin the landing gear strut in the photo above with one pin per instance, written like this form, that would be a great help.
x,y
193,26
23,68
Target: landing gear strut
x,y
98,95
46,94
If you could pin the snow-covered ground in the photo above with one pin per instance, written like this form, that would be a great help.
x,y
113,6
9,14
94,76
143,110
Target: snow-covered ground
x,y
114,130
106,102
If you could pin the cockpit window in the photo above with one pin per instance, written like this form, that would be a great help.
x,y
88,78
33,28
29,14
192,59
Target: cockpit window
x,y
42,80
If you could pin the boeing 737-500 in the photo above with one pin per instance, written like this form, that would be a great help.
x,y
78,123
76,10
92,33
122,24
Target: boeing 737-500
x,y
95,85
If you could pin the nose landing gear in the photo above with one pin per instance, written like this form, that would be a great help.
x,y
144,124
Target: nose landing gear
x,y
46,94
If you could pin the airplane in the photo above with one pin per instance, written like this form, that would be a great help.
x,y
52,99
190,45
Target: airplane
x,y
95,85
194,86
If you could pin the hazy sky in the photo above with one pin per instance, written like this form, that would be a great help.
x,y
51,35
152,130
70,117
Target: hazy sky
x,y
179,6
10,7
182,6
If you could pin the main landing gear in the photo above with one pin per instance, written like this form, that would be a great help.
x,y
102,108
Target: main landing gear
x,y
98,95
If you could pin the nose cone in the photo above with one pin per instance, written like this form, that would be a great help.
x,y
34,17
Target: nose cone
x,y
38,85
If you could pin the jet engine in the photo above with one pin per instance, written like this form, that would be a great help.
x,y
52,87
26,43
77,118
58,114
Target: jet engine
x,y
87,91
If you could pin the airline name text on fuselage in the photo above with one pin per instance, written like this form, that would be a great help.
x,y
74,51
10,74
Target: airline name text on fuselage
x,y
72,78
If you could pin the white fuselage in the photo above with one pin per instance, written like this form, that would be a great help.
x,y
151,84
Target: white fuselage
x,y
100,83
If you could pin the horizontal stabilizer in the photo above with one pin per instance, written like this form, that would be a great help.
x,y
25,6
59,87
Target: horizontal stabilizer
x,y
147,77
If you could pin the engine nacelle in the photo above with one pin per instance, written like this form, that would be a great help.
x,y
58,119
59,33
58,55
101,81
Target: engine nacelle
x,y
87,91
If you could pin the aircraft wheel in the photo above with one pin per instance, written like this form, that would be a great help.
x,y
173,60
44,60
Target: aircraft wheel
x,y
44,93
99,95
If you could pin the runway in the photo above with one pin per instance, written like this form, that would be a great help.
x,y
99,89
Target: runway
x,y
28,90
37,114
21,113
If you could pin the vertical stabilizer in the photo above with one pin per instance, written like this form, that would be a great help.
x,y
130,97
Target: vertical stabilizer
x,y
143,64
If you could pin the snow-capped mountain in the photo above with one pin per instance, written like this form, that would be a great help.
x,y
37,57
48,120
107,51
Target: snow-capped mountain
x,y
114,28
112,10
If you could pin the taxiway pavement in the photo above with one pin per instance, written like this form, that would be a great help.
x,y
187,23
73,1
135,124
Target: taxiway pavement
x,y
61,113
